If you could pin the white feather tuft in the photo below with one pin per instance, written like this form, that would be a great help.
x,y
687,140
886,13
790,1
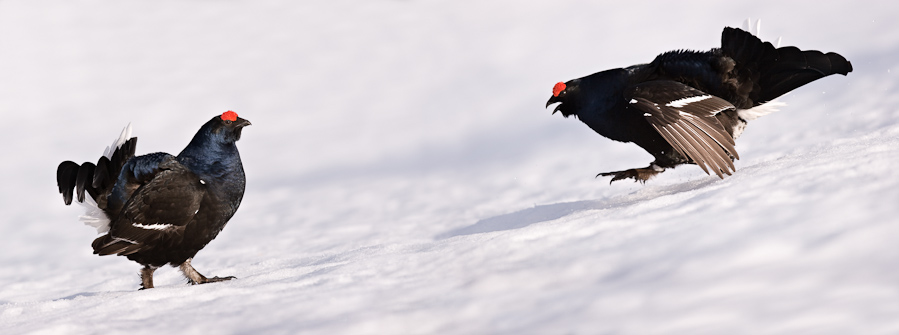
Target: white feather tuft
x,y
155,226
123,239
124,136
747,26
686,101
761,110
94,216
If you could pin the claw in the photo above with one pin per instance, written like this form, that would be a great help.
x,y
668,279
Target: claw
x,y
639,175
218,279
195,278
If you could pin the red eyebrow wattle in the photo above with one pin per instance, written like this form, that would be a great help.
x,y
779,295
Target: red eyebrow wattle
x,y
229,116
560,86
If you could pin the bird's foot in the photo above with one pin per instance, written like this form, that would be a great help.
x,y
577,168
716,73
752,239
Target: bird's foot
x,y
201,279
218,279
146,277
638,175
195,278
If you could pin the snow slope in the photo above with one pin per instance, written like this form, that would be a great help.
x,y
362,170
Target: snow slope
x,y
404,177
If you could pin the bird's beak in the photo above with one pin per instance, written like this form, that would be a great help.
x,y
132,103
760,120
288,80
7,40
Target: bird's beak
x,y
552,100
242,123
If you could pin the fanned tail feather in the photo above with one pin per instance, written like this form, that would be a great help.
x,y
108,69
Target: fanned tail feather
x,y
96,180
776,71
123,137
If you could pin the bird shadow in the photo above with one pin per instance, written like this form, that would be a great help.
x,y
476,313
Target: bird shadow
x,y
523,218
83,294
542,213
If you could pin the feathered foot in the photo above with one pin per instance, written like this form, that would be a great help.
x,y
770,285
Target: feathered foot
x,y
639,175
146,277
196,278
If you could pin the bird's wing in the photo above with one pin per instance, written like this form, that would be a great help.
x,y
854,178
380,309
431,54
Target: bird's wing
x,y
686,118
161,207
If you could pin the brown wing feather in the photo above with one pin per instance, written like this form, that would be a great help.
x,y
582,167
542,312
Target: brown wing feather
x,y
686,119
160,208
696,147
715,148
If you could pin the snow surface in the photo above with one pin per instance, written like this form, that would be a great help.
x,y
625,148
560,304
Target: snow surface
x,y
404,177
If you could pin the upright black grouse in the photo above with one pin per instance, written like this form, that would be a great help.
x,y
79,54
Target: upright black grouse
x,y
157,208
689,106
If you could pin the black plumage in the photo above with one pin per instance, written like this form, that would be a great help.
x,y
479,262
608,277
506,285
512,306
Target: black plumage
x,y
163,209
687,107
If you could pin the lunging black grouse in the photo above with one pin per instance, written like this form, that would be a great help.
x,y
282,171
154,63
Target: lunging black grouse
x,y
157,208
689,106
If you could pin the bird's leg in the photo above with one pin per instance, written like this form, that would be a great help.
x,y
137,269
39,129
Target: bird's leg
x,y
196,278
639,175
146,277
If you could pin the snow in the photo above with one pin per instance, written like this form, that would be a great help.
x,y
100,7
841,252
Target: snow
x,y
403,176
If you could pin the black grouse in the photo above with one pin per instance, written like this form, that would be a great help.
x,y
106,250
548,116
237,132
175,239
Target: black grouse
x,y
687,107
159,209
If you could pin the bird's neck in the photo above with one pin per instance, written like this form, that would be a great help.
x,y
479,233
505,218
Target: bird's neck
x,y
211,159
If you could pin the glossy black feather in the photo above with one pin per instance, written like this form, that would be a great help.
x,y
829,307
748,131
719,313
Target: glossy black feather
x,y
83,179
163,209
638,103
101,177
66,175
167,199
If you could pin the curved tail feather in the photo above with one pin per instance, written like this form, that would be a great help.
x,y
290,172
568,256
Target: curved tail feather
x,y
772,71
97,180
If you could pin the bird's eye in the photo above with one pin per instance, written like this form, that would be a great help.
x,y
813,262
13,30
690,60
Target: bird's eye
x,y
227,121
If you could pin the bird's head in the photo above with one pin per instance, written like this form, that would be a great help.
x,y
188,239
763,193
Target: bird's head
x,y
227,127
596,93
214,137
565,94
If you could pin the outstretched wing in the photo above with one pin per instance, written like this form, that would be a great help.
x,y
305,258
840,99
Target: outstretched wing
x,y
686,118
160,207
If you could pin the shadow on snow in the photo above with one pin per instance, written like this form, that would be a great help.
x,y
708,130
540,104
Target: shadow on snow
x,y
541,213
523,218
